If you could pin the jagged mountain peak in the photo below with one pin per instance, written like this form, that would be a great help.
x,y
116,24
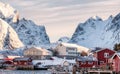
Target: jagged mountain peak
x,y
8,13
93,19
95,33
98,18
6,10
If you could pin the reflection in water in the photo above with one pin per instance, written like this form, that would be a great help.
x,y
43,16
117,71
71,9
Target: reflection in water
x,y
24,72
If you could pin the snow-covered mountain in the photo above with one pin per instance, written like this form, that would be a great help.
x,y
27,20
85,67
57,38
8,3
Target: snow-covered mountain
x,y
64,39
8,37
28,32
96,32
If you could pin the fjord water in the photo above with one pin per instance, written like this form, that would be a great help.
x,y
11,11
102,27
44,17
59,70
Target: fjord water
x,y
24,72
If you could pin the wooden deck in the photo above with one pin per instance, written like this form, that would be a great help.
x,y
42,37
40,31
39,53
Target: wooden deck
x,y
100,72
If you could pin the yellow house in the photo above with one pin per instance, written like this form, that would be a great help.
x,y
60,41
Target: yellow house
x,y
37,52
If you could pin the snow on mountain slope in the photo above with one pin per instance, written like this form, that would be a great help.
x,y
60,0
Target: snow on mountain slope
x,y
30,33
64,39
94,33
8,37
114,26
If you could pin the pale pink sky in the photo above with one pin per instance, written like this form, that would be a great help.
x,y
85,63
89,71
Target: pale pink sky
x,y
61,17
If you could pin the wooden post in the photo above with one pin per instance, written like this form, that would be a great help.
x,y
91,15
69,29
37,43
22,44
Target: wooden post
x,y
74,69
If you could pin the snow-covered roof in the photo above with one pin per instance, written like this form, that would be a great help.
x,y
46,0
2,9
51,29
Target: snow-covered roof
x,y
12,57
22,59
117,54
69,45
39,48
2,56
86,58
100,49
56,61
80,48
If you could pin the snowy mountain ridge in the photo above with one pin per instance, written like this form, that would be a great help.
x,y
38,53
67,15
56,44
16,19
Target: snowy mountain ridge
x,y
97,33
26,31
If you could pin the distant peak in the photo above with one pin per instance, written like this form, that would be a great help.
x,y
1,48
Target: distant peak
x,y
7,12
95,18
90,19
98,18
64,39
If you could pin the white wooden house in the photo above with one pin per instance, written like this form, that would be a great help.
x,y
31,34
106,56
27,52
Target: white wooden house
x,y
68,49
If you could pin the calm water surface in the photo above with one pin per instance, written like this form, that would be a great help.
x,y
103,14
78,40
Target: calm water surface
x,y
24,72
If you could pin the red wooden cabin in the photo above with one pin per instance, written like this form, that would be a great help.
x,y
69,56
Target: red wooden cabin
x,y
86,62
115,60
103,55
22,61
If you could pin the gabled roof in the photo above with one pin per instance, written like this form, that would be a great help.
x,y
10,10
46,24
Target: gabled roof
x,y
116,54
22,59
39,48
98,50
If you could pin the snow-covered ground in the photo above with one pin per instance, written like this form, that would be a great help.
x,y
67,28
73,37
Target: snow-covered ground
x,y
55,61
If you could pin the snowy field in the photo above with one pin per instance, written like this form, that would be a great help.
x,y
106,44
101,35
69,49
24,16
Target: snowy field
x,y
23,72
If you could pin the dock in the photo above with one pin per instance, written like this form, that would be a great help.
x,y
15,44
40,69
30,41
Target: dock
x,y
100,72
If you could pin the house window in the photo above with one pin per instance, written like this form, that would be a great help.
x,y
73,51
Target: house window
x,y
66,50
106,55
83,62
101,62
90,62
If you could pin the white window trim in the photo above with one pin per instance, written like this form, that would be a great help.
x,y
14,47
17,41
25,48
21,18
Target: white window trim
x,y
106,55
